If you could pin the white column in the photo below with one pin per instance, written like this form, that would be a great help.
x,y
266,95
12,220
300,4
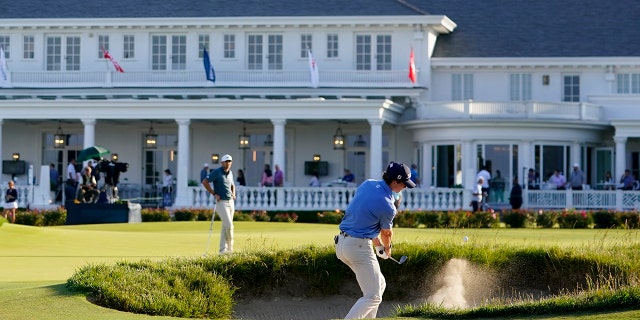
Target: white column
x,y
621,157
182,197
89,132
279,155
375,157
576,155
525,161
468,165
426,175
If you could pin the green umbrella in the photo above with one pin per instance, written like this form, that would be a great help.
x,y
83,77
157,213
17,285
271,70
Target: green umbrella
x,y
93,152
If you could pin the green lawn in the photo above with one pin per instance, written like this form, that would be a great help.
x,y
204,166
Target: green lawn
x,y
36,262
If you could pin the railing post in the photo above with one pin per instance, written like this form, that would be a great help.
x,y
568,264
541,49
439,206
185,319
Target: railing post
x,y
569,199
467,108
619,200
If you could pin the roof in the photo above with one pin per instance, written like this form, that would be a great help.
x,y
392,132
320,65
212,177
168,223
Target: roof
x,y
485,28
540,28
29,9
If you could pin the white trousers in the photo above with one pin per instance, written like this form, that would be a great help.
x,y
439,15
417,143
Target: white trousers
x,y
359,256
225,210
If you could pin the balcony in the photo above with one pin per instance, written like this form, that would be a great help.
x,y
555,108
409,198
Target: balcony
x,y
224,78
510,110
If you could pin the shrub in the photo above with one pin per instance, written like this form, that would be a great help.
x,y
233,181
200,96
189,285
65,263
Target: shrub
x,y
330,217
185,215
517,218
285,217
154,215
572,219
242,216
547,219
260,216
29,218
605,220
406,219
629,219
482,219
54,217
432,219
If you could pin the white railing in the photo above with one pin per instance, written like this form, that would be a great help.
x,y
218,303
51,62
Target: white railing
x,y
224,78
328,198
513,110
583,199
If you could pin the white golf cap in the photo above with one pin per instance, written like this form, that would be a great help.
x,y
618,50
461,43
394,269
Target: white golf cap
x,y
206,164
576,165
226,157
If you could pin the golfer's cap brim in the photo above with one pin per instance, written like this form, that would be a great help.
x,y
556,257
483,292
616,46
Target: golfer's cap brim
x,y
409,183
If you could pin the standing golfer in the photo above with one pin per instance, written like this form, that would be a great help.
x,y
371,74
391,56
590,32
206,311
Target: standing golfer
x,y
368,220
224,190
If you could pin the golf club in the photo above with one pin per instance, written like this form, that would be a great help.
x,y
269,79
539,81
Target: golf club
x,y
213,217
401,261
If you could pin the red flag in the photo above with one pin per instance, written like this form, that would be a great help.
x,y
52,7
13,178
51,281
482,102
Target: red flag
x,y
412,68
116,65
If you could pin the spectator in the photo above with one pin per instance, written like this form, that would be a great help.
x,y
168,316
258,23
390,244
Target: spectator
x,y
241,181
477,195
627,181
72,181
10,202
576,179
278,177
315,181
348,176
609,184
267,177
515,199
89,188
54,177
167,186
558,180
498,185
533,180
486,177
204,172
415,177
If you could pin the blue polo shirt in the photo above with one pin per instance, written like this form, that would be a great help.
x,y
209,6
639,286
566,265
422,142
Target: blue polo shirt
x,y
222,182
370,210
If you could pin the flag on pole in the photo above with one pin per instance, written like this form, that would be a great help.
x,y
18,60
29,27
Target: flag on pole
x,y
3,67
116,65
208,68
313,69
412,68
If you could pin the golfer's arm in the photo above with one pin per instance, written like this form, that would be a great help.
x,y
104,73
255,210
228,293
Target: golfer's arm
x,y
385,237
207,185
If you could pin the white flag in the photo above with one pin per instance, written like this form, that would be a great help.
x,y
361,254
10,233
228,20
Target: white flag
x,y
313,69
3,68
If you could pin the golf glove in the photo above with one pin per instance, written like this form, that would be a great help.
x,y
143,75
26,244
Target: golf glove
x,y
381,253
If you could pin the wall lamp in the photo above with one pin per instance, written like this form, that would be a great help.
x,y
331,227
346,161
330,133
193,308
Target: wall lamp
x,y
215,158
151,138
15,156
243,139
59,139
114,157
338,139
316,157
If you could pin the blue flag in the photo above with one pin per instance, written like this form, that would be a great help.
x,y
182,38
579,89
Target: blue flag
x,y
208,68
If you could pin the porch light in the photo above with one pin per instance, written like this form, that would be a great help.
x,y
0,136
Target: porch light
x,y
59,139
151,138
114,157
215,158
338,139
316,157
243,139
15,156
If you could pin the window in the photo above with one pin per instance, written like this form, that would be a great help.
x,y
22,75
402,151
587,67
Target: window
x,y
571,88
6,46
229,46
332,46
366,50
628,83
103,44
129,47
462,86
203,42
305,44
160,55
57,47
256,48
28,47
520,84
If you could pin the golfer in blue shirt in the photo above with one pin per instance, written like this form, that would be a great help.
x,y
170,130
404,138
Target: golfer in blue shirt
x,y
368,220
